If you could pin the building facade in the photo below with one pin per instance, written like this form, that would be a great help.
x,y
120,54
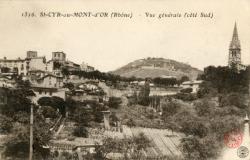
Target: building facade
x,y
19,66
87,68
60,56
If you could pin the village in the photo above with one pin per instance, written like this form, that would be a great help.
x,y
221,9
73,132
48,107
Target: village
x,y
57,109
47,79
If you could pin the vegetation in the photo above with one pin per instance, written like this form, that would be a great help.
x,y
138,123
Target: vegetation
x,y
143,97
55,102
220,108
114,102
165,81
14,118
108,77
128,148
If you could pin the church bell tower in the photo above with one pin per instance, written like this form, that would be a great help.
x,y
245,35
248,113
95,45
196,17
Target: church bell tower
x,y
234,59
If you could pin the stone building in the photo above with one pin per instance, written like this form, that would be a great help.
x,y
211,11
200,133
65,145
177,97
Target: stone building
x,y
18,66
60,56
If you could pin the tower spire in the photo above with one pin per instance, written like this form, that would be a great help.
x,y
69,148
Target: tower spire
x,y
235,43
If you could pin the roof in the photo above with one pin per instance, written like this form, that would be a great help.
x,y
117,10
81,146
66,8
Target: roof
x,y
235,43
192,82
38,88
165,76
12,60
36,70
49,75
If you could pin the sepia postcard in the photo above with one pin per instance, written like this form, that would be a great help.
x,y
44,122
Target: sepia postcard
x,y
124,80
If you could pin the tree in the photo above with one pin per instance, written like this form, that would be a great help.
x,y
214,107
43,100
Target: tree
x,y
186,90
65,71
55,102
141,143
18,144
5,70
169,108
48,112
184,78
69,85
143,97
130,148
190,146
82,116
80,131
6,124
131,123
108,145
194,127
114,102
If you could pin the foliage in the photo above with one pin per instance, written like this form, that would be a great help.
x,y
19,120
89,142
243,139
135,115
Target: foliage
x,y
55,102
5,70
133,99
186,90
184,78
108,77
225,79
5,124
165,81
80,131
232,99
131,123
48,112
65,71
130,148
85,112
16,113
169,108
185,96
114,102
82,116
17,101
194,127
69,85
18,144
143,97
204,107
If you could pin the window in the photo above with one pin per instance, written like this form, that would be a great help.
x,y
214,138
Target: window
x,y
40,92
22,67
50,93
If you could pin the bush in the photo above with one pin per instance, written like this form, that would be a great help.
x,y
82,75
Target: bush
x,y
186,96
187,90
80,132
114,102
5,124
169,108
49,112
131,123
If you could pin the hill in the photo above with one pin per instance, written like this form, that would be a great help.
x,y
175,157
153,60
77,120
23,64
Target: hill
x,y
157,67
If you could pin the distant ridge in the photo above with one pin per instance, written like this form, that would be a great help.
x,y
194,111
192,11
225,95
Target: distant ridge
x,y
157,67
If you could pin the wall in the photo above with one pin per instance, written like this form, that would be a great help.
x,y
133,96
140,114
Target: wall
x,y
37,64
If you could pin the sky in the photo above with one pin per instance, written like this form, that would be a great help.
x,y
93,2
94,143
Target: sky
x,y
109,43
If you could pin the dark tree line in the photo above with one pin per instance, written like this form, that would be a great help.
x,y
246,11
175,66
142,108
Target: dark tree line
x,y
14,120
220,80
99,75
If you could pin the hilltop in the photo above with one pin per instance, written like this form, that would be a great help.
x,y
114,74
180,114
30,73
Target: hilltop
x,y
157,67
